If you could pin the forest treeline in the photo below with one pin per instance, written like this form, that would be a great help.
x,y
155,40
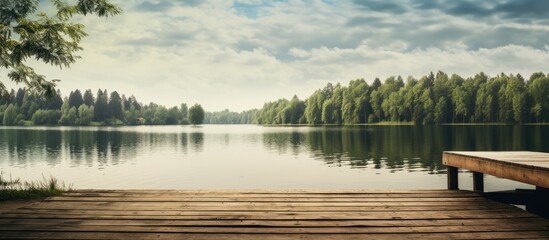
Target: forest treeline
x,y
433,99
23,107
229,117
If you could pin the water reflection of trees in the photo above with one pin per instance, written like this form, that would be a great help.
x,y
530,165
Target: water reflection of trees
x,y
197,140
88,146
412,148
281,142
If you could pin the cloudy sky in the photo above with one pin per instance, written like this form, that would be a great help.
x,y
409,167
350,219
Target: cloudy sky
x,y
239,54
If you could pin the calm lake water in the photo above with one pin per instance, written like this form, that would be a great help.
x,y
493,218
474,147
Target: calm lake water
x,y
252,157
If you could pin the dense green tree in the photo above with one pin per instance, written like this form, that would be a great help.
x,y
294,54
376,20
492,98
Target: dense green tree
x,y
126,104
5,99
11,115
376,84
46,117
85,114
173,116
27,33
88,98
101,110
135,103
295,108
160,115
228,117
115,106
31,103
337,102
440,114
410,99
69,115
375,101
313,108
356,103
131,115
441,86
54,102
328,112
19,97
75,99
2,109
148,112
428,106
538,87
272,112
196,114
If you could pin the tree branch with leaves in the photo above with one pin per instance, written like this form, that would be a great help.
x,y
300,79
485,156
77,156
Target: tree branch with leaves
x,y
26,33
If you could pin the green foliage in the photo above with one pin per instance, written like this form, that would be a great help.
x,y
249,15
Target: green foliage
x,y
196,114
115,106
75,99
328,112
431,99
313,108
538,86
69,116
85,114
435,98
173,116
26,33
228,117
46,117
11,115
88,98
101,110
160,115
65,112
131,116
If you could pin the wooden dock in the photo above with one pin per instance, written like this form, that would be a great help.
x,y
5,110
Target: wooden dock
x,y
296,214
527,167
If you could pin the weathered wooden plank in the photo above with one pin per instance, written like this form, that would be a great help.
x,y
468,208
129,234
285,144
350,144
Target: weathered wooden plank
x,y
267,209
272,191
275,197
130,193
287,214
480,214
270,200
63,204
273,230
503,165
194,236
532,221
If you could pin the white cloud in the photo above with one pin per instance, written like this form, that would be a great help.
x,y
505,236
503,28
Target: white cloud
x,y
207,52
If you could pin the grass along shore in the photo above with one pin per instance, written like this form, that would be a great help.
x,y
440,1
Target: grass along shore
x,y
15,189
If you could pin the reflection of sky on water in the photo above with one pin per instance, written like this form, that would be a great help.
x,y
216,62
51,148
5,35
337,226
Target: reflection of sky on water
x,y
251,156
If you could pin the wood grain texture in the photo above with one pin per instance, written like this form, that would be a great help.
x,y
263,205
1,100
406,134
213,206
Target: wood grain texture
x,y
260,214
527,167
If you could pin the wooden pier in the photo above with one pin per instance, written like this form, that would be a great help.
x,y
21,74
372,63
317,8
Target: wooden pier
x,y
296,214
527,167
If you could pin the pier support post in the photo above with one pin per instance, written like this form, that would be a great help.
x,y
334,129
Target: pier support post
x,y
478,182
452,178
538,203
